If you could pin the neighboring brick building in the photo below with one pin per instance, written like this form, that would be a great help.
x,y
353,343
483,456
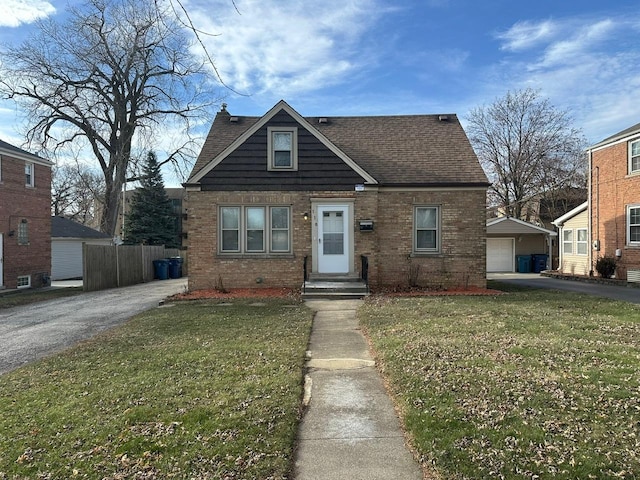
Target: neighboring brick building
x,y
25,218
614,201
405,192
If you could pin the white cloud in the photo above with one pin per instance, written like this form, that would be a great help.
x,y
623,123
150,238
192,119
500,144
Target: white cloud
x,y
283,48
17,12
524,35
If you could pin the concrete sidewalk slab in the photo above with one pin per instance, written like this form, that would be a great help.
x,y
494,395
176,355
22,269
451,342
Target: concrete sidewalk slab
x,y
350,429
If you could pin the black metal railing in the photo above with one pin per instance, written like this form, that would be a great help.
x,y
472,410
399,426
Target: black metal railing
x,y
364,270
305,274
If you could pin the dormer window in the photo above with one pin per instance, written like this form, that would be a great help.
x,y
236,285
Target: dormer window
x,y
634,156
282,148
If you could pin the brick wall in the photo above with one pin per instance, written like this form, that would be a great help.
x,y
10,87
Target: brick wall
x,y
612,189
462,259
20,203
460,263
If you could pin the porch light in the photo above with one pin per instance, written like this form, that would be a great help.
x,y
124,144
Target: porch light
x,y
305,216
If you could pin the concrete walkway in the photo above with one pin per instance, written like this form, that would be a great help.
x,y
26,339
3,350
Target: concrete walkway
x,y
350,429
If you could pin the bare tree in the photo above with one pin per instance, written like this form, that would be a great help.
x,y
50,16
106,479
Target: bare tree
x,y
111,76
77,192
527,148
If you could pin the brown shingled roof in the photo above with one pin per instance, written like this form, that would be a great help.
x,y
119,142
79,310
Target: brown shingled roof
x,y
410,150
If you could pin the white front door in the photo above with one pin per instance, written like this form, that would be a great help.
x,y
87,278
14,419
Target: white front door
x,y
1,261
333,239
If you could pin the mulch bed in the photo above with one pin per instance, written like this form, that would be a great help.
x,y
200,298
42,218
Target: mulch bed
x,y
295,294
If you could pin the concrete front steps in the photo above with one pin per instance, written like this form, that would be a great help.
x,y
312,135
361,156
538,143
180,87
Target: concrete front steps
x,y
322,286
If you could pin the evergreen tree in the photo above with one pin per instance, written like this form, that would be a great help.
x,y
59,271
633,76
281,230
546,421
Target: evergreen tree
x,y
150,219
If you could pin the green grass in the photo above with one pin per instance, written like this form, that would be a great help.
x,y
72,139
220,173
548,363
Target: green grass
x,y
25,297
191,390
530,384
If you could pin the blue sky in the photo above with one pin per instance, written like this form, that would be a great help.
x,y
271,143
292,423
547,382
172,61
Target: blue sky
x,y
378,57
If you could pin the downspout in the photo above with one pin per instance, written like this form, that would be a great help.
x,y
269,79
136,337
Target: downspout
x,y
590,208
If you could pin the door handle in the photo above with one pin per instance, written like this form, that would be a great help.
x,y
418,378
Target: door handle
x,y
319,240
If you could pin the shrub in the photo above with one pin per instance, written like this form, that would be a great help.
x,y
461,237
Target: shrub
x,y
606,266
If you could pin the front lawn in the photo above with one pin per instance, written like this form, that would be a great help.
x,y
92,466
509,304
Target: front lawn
x,y
198,390
530,384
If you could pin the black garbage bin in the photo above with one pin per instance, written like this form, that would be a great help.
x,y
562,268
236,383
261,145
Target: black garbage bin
x,y
161,269
539,262
175,267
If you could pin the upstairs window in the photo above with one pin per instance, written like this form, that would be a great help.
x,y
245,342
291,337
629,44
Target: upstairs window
x,y
633,225
28,174
282,148
634,156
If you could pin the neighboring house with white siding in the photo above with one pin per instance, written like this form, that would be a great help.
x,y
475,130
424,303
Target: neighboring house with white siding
x,y
574,241
67,238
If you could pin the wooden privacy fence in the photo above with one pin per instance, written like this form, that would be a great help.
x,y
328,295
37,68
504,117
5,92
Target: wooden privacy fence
x,y
110,266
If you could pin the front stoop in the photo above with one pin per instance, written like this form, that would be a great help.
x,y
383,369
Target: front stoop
x,y
334,287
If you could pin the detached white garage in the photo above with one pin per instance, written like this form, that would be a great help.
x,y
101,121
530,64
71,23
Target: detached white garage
x,y
67,238
501,254
509,237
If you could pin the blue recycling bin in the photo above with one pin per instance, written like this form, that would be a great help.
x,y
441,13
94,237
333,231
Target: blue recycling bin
x,y
175,267
539,262
161,269
524,263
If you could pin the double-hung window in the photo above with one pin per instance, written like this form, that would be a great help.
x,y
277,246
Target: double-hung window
x,y
255,229
28,174
634,156
426,232
282,145
582,243
567,241
633,225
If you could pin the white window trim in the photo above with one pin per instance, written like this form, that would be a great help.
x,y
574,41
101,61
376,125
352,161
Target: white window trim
x,y
28,285
628,222
631,170
294,149
567,242
32,175
242,235
427,251
585,243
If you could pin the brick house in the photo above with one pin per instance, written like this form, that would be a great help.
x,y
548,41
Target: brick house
x,y
25,218
614,201
401,195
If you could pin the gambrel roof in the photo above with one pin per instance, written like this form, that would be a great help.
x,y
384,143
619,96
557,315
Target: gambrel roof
x,y
402,151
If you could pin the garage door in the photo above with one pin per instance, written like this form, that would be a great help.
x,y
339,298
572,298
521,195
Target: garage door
x,y
500,254
66,259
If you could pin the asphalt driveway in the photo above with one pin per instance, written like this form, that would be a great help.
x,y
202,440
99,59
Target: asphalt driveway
x,y
626,294
30,332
